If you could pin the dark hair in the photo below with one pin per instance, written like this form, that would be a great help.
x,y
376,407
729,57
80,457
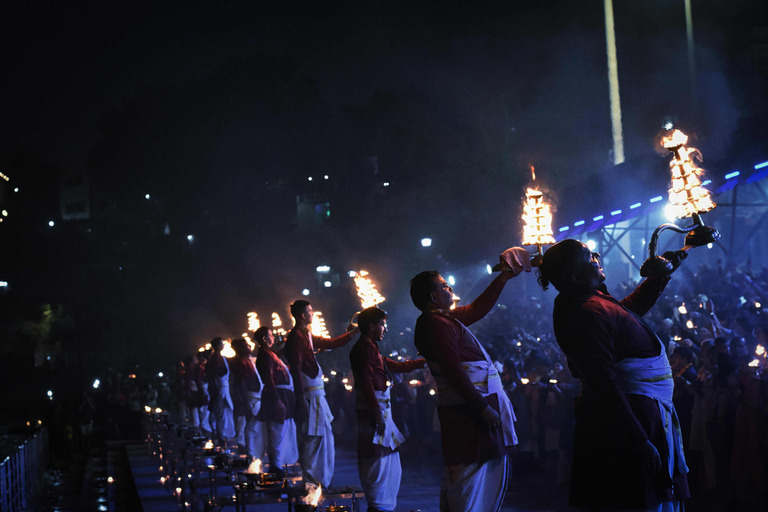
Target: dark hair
x,y
559,263
215,342
261,333
422,287
684,352
368,317
298,307
240,346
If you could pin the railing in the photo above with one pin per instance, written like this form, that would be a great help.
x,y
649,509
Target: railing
x,y
24,459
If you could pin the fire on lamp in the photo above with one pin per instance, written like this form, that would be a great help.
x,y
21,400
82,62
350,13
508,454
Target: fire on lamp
x,y
537,219
688,198
367,293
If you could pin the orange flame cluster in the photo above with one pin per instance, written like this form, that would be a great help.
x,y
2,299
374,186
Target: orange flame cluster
x,y
277,325
537,216
686,195
366,290
317,327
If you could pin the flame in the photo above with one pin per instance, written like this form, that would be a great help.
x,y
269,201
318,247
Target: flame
x,y
253,321
366,290
537,216
147,408
254,467
682,310
209,445
686,195
227,350
760,350
314,497
248,340
158,410
277,325
456,300
524,381
413,382
754,363
318,326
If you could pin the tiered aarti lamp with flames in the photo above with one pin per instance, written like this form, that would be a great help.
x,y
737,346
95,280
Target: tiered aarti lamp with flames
x,y
688,198
537,218
367,293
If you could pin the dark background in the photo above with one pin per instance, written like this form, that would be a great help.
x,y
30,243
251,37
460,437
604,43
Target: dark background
x,y
222,111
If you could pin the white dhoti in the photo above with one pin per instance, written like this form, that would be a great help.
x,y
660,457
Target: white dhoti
x,y
380,476
223,408
317,453
474,487
279,442
380,479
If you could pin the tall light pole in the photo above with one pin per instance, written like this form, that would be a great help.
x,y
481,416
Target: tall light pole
x,y
613,82
691,48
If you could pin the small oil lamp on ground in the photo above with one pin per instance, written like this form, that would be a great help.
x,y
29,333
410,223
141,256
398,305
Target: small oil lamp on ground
x,y
688,198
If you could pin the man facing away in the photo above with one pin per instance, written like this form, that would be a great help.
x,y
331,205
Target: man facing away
x,y
476,416
378,439
627,451
313,416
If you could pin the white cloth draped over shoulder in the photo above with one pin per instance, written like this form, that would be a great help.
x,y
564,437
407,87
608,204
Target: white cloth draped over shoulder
x,y
486,379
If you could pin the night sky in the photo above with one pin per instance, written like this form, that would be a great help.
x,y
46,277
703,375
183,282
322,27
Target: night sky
x,y
222,111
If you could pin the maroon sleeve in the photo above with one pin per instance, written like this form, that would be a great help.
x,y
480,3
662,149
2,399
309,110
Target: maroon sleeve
x,y
331,343
645,295
586,335
404,366
480,307
362,366
445,339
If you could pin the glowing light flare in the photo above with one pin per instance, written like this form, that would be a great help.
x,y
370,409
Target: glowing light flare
x,y
689,324
208,445
317,327
253,321
314,496
348,387
227,351
524,381
414,382
158,410
147,408
277,325
760,350
455,299
366,290
687,194
754,363
248,340
682,310
432,392
254,467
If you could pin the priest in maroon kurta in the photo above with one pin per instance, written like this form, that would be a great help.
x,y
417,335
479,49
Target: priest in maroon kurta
x,y
622,457
378,439
476,418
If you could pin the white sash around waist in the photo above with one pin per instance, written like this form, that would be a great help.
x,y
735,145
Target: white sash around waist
x,y
392,437
652,377
487,381
319,412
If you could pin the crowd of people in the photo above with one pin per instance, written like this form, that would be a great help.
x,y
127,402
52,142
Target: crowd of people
x,y
277,404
